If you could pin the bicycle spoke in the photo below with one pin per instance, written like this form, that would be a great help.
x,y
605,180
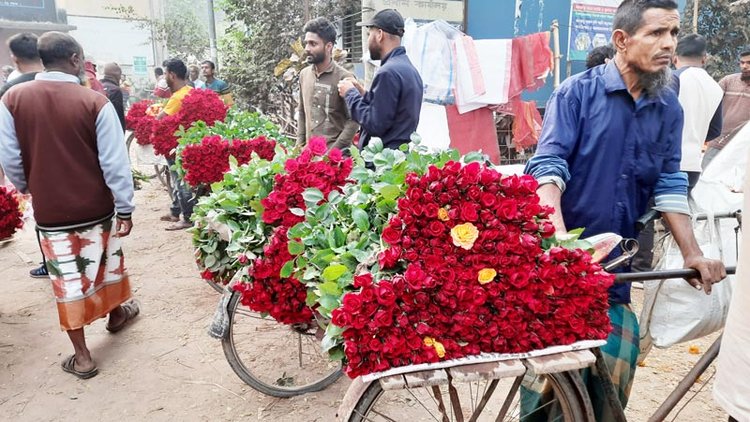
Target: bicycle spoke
x,y
509,399
455,401
485,398
437,392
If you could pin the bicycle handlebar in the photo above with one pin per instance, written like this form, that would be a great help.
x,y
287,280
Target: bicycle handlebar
x,y
662,275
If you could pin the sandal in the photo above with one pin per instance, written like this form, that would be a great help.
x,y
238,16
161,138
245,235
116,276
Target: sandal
x,y
169,217
179,226
132,309
69,366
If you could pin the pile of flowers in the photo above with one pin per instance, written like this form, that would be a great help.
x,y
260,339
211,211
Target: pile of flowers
x,y
465,273
11,216
140,120
206,162
271,288
198,105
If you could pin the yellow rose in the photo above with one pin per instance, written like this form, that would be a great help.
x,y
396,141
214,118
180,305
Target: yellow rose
x,y
486,275
464,235
443,214
439,348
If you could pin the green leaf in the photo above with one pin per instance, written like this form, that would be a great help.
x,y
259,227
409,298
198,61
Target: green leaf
x,y
474,156
312,195
210,261
297,231
311,299
297,211
295,248
390,192
287,269
336,353
361,219
330,288
329,302
333,272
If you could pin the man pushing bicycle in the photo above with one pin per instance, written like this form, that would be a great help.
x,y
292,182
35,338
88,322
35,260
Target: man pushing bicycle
x,y
611,140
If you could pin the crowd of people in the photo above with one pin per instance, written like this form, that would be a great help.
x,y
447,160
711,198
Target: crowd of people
x,y
624,136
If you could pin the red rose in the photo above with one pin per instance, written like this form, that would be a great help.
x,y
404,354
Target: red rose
x,y
363,280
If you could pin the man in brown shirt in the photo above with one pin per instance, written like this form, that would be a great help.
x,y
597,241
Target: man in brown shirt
x,y
322,112
735,106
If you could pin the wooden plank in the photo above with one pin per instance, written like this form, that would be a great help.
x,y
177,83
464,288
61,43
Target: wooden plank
x,y
393,382
488,371
561,362
426,378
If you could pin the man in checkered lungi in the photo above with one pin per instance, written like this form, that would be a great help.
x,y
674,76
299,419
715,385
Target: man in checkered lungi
x,y
63,143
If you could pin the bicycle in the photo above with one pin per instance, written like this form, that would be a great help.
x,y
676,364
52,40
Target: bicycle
x,y
161,171
415,393
254,343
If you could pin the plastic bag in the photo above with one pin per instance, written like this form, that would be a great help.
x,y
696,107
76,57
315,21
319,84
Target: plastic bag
x,y
673,310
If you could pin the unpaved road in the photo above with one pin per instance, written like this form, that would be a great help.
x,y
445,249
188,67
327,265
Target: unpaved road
x,y
165,367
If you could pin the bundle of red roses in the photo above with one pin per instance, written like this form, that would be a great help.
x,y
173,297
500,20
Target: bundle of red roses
x,y
284,298
206,162
198,105
11,218
471,276
309,170
163,135
140,122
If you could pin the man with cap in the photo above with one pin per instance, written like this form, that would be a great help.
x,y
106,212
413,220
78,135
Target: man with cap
x,y
390,109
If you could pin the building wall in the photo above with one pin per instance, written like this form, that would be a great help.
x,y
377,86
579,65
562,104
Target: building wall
x,y
99,8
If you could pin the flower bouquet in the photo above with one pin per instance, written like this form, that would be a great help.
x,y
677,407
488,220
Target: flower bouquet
x,y
140,120
229,233
270,287
206,162
11,213
198,105
467,264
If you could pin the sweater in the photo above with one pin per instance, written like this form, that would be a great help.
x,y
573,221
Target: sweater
x,y
63,143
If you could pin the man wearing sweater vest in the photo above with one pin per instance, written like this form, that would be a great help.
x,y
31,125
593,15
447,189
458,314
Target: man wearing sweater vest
x,y
62,142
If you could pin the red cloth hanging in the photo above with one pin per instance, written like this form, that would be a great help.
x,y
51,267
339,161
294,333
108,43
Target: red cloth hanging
x,y
473,131
530,60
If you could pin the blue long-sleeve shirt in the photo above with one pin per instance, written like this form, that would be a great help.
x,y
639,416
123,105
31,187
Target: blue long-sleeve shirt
x,y
612,153
390,109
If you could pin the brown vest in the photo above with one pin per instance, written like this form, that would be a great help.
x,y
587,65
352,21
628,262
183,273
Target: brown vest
x,y
55,125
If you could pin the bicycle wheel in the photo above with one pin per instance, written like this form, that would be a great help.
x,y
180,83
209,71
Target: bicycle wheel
x,y
276,359
483,400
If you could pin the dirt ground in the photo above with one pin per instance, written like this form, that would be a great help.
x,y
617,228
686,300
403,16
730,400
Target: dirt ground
x,y
165,367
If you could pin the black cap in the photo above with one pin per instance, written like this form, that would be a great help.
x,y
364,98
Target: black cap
x,y
389,20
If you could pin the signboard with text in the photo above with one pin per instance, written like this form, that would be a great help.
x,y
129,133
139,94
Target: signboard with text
x,y
140,66
590,26
451,11
32,4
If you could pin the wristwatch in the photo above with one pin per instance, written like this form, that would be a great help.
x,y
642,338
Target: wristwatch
x,y
546,180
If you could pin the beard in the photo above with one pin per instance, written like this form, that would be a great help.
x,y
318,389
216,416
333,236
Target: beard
x,y
653,83
745,76
316,58
375,53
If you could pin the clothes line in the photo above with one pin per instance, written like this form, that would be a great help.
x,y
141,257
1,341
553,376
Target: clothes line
x,y
471,79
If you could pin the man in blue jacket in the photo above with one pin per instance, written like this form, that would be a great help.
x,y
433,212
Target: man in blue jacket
x,y
390,109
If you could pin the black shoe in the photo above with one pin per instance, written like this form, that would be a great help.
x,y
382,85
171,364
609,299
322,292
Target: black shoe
x,y
40,272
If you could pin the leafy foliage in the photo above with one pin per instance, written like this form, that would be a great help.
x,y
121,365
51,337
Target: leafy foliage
x,y
259,39
726,30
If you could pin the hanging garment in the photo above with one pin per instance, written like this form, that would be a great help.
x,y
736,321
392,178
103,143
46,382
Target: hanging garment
x,y
531,60
430,49
484,77
473,131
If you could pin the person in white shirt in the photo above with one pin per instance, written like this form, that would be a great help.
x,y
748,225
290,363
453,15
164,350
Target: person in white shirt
x,y
700,97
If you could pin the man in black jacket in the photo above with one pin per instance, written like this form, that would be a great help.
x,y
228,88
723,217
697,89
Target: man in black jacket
x,y
390,109
111,83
